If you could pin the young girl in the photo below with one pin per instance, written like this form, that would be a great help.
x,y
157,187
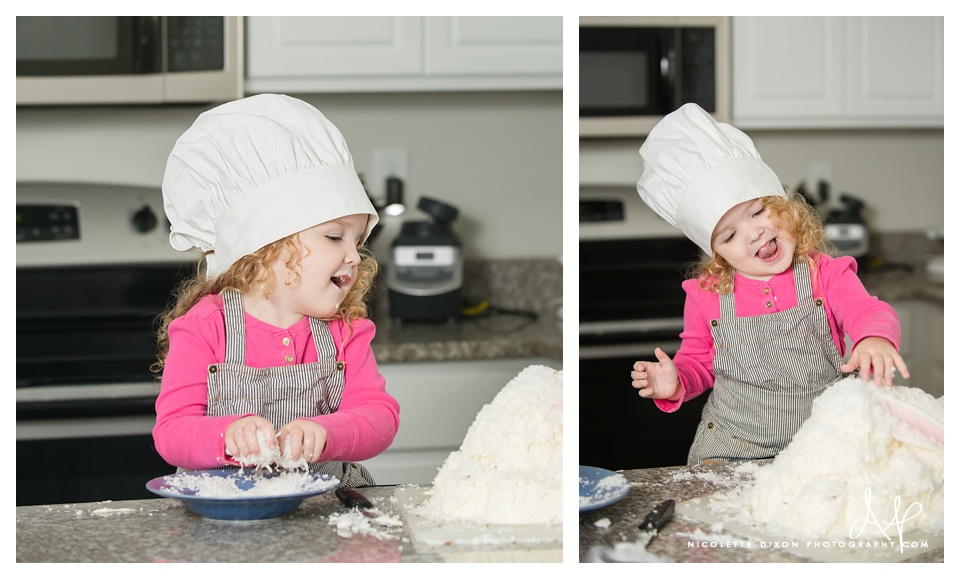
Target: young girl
x,y
267,352
766,313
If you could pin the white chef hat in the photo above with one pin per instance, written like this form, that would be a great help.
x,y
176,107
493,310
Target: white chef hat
x,y
695,169
255,170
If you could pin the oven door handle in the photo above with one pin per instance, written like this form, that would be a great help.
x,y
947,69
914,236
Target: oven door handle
x,y
637,350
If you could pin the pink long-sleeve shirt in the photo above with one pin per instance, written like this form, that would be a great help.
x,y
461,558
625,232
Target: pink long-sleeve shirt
x,y
850,309
363,426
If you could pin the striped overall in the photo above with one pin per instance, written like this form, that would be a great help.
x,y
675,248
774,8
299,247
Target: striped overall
x,y
769,369
280,393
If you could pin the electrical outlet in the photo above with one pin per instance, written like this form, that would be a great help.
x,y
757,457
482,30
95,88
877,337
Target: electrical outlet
x,y
817,172
388,162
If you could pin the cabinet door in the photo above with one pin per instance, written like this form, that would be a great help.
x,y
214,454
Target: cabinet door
x,y
842,72
496,45
334,46
786,68
895,67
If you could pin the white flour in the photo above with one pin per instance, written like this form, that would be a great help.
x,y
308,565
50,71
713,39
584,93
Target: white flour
x,y
287,483
815,488
607,488
508,469
270,456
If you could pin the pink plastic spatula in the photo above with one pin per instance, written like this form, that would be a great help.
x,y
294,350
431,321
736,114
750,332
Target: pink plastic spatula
x,y
926,430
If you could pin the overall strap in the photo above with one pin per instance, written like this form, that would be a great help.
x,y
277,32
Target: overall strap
x,y
801,279
727,307
236,338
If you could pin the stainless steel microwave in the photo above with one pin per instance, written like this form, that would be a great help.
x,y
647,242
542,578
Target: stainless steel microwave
x,y
635,70
79,60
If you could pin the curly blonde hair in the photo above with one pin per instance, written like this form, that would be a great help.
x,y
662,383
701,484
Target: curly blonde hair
x,y
252,271
792,214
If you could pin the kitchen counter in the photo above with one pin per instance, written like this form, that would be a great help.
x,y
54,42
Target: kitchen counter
x,y
163,530
899,284
681,539
495,337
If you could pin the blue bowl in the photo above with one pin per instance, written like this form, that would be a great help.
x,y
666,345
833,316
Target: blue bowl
x,y
237,508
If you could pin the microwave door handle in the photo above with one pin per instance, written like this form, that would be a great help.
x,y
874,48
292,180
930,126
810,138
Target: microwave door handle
x,y
147,43
672,73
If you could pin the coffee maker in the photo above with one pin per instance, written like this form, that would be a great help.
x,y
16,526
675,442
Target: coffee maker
x,y
425,270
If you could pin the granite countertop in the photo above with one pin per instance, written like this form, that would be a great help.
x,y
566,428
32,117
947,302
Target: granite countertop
x,y
163,530
901,284
683,539
496,336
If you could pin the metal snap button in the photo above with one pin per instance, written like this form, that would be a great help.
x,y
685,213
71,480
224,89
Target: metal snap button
x,y
766,290
340,365
714,323
212,369
769,305
818,301
709,425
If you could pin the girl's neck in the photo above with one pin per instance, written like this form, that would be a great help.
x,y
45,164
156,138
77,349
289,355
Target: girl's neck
x,y
270,310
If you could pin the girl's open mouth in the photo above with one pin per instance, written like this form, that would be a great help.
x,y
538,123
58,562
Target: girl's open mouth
x,y
340,280
770,251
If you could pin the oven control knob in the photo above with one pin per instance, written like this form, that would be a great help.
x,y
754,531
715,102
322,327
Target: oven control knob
x,y
144,220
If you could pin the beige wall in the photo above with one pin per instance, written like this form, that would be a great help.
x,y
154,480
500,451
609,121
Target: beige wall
x,y
496,156
897,173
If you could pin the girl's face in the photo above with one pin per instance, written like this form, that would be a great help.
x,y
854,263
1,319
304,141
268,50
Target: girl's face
x,y
328,267
747,238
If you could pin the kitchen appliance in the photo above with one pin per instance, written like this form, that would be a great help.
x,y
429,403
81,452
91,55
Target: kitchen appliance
x,y
94,268
425,269
631,266
844,226
81,60
847,229
634,70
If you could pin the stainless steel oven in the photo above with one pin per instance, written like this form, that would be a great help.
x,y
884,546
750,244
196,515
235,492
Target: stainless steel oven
x,y
94,270
631,301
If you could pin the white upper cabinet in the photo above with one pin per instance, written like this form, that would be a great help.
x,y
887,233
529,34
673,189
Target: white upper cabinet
x,y
842,72
371,54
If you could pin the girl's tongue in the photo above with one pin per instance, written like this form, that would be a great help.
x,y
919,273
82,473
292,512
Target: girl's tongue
x,y
768,250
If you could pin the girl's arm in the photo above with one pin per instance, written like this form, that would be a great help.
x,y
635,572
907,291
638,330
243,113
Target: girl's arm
x,y
858,314
368,417
183,435
694,359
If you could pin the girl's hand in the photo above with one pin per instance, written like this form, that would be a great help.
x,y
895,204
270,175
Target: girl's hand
x,y
241,438
303,437
876,356
656,379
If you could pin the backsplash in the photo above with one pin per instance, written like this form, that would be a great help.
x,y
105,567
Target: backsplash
x,y
522,284
906,249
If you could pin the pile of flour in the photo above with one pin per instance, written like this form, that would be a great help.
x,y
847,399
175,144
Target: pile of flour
x,y
815,488
509,468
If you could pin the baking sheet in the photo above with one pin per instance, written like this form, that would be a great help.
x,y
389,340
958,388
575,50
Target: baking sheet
x,y
467,541
915,542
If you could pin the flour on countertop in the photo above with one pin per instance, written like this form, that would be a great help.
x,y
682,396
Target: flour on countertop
x,y
105,512
815,488
353,522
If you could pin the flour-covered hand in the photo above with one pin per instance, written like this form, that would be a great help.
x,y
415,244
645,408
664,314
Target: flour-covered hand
x,y
302,438
877,357
241,437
